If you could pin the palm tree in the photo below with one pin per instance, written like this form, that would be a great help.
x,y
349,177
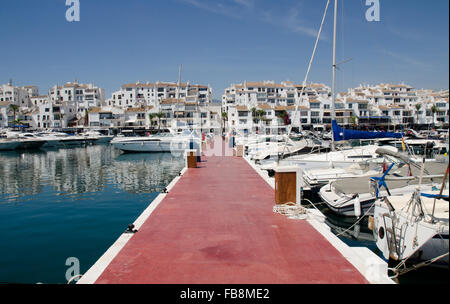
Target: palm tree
x,y
224,120
434,111
159,116
254,120
354,120
151,116
86,117
61,116
418,108
260,114
14,108
282,115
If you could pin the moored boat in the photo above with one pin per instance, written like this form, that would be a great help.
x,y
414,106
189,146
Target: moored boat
x,y
158,143
356,196
413,228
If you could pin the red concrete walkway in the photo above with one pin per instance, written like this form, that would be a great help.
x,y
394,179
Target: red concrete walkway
x,y
216,226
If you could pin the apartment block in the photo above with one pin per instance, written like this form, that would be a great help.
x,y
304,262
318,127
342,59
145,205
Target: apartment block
x,y
269,107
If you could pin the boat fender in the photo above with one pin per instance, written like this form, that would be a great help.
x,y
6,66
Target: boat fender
x,y
357,205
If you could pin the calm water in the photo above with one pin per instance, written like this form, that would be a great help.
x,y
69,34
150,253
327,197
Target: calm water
x,y
71,203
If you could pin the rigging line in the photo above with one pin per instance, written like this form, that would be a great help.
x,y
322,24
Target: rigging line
x,y
307,75
398,272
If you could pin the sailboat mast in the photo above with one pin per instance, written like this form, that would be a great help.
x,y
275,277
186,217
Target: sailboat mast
x,y
179,81
178,94
333,87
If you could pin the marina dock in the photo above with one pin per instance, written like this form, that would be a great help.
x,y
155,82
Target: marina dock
x,y
216,226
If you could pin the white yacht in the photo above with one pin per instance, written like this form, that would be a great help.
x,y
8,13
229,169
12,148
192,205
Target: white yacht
x,y
335,159
290,148
25,141
56,139
158,143
97,137
315,178
50,141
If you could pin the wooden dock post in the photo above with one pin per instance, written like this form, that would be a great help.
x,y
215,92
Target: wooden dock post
x,y
288,185
191,158
240,151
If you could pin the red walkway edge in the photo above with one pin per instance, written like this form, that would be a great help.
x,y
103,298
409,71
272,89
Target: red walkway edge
x,y
216,226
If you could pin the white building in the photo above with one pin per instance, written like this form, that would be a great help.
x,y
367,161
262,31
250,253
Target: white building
x,y
15,95
173,116
388,105
242,101
152,94
76,99
4,114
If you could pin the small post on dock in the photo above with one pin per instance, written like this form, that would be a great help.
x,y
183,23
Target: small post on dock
x,y
191,158
288,185
240,151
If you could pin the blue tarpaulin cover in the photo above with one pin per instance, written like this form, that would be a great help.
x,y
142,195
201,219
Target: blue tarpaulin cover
x,y
343,134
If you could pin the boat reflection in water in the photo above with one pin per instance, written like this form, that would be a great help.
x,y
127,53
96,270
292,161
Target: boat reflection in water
x,y
84,170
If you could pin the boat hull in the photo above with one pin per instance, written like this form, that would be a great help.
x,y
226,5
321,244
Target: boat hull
x,y
8,146
346,205
147,146
415,240
30,144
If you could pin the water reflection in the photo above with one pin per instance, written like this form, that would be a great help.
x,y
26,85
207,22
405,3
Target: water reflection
x,y
84,170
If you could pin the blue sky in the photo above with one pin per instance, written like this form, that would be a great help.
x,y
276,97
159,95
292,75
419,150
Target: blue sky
x,y
220,42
